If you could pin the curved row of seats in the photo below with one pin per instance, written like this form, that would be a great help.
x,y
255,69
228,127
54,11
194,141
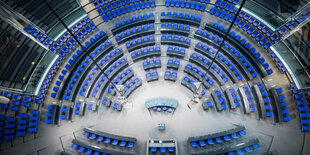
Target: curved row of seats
x,y
151,63
175,40
199,74
219,100
276,60
230,141
140,42
175,28
111,72
66,41
121,7
189,83
122,78
302,101
176,51
145,52
244,47
217,73
151,75
133,22
111,63
249,24
107,138
187,4
180,18
239,59
135,32
218,137
78,70
173,63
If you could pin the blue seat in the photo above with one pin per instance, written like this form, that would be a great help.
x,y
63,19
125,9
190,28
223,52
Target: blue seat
x,y
218,140
153,149
202,143
130,144
234,136
279,90
123,143
163,150
107,140
285,111
194,144
115,142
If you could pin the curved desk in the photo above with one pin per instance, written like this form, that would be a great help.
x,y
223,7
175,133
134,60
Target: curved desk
x,y
161,102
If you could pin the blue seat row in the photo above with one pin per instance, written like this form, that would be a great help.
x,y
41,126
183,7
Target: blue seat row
x,y
267,103
252,50
140,42
219,100
173,63
245,62
131,85
222,4
250,25
101,82
225,5
218,140
66,41
77,73
120,79
92,40
151,63
86,150
180,18
51,114
133,22
151,75
79,108
207,104
189,83
81,69
220,72
162,149
134,32
146,52
259,26
176,51
49,76
108,139
231,66
110,72
235,98
199,74
301,102
175,28
250,99
208,50
175,40
110,5
277,61
170,75
108,14
186,4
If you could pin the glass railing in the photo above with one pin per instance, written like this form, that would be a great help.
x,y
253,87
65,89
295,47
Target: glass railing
x,y
264,15
71,19
291,60
40,72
